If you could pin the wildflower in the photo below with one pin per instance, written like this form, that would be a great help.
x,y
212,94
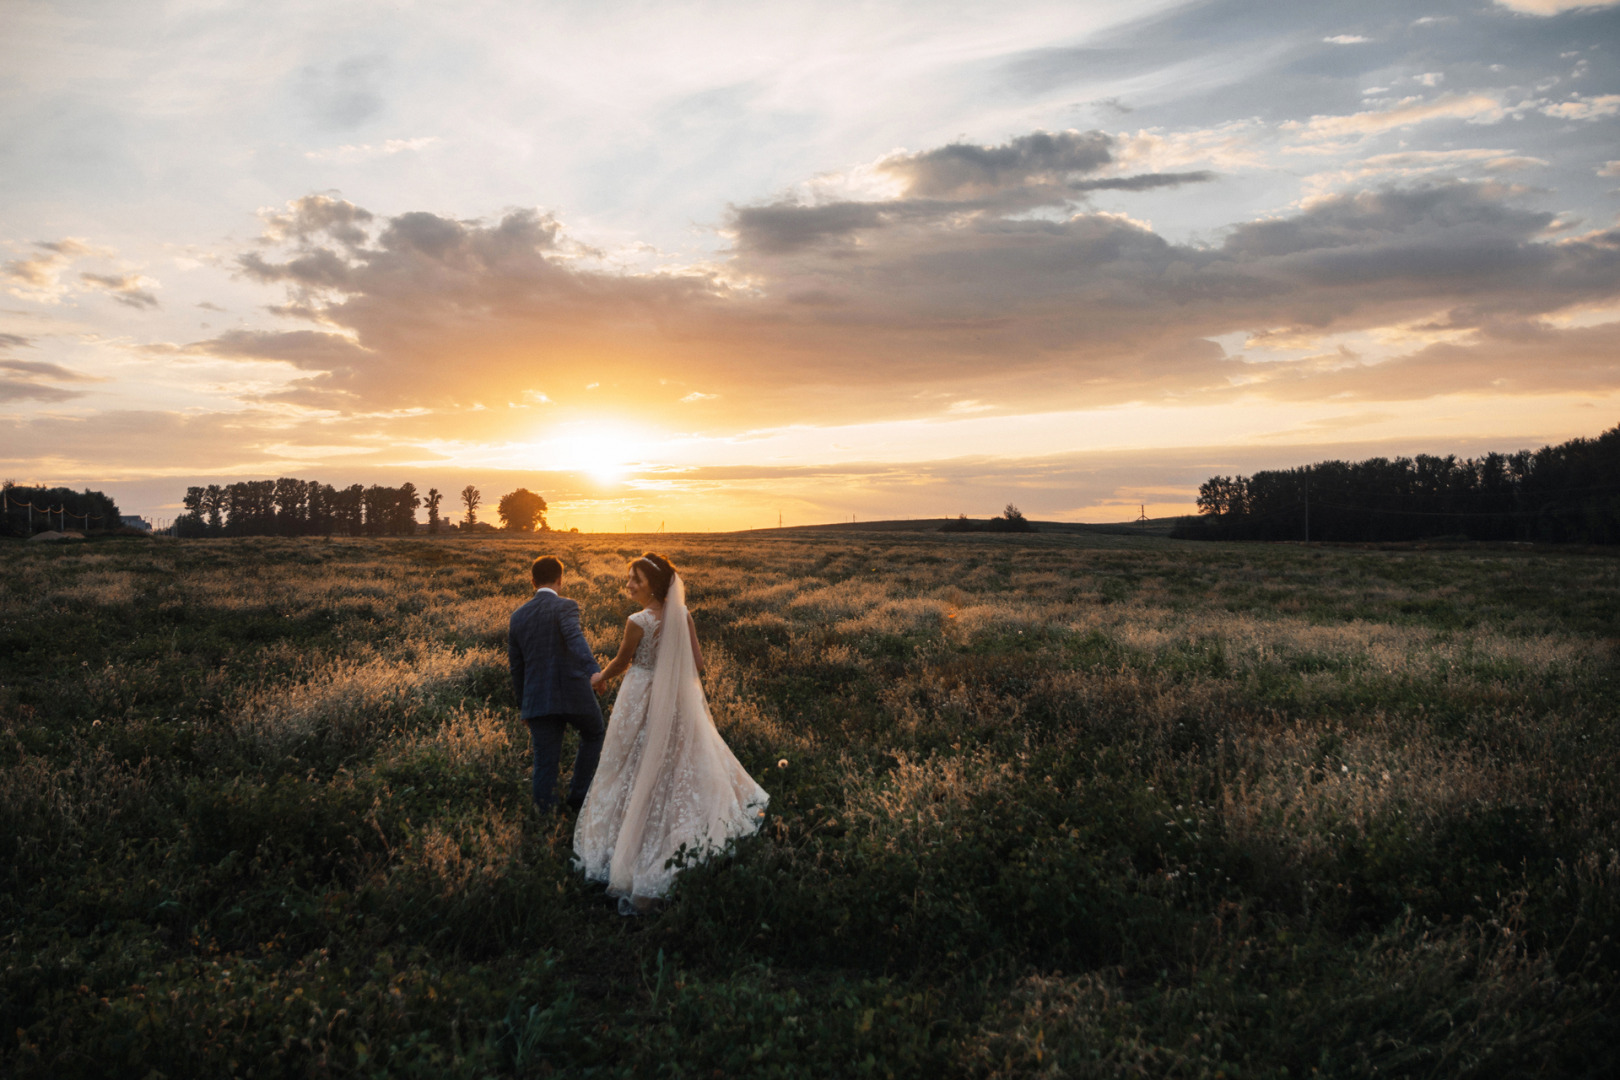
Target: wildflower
x,y
782,764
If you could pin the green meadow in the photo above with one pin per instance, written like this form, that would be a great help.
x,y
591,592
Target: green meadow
x,y
1051,804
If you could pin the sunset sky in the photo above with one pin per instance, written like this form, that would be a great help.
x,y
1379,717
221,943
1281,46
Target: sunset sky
x,y
702,264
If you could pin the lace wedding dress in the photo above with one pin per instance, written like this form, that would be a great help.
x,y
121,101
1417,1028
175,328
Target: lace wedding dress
x,y
666,778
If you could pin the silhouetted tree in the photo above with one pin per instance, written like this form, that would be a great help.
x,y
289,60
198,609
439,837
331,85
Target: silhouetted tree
x,y
1221,495
319,498
28,510
1569,492
522,510
406,502
348,509
292,506
471,497
380,509
1011,520
213,505
191,522
434,497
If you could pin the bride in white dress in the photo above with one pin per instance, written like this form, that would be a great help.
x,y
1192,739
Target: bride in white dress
x,y
667,779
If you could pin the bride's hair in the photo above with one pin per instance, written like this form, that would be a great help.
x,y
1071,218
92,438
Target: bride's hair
x,y
656,571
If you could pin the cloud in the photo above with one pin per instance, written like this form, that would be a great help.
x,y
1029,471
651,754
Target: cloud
x,y
1585,108
39,278
25,390
1143,181
330,360
320,268
367,150
317,215
784,227
1234,145
1410,164
963,171
29,380
307,349
1474,108
1510,358
1515,163
43,370
15,341
1345,39
124,288
696,396
254,441
934,300
446,311
958,181
1547,8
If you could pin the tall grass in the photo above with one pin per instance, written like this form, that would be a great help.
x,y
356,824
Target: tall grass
x,y
1041,805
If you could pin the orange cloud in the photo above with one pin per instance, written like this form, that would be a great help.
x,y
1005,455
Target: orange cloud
x,y
870,310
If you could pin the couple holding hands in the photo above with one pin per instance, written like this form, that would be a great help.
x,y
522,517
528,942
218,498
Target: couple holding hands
x,y
659,777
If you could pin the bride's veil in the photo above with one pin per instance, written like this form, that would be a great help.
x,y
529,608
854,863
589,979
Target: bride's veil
x,y
674,707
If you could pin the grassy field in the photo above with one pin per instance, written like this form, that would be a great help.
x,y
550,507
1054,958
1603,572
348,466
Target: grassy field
x,y
1058,804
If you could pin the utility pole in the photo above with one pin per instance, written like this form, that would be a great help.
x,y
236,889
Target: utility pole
x,y
779,519
1142,515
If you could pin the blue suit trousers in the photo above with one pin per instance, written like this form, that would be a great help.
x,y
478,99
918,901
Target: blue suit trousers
x,y
546,733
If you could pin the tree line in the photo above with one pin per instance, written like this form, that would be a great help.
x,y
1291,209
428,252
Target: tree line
x,y
292,507
1568,493
25,510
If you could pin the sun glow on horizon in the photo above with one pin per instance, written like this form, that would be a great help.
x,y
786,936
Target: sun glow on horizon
x,y
604,452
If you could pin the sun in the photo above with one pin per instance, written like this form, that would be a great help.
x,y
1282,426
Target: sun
x,y
604,452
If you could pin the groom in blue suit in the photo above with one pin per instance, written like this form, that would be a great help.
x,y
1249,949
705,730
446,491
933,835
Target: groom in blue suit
x,y
552,667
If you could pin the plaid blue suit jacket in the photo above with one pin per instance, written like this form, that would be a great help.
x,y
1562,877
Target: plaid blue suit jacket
x,y
551,662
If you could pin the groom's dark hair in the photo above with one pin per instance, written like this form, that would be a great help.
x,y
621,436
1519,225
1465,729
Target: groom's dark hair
x,y
546,570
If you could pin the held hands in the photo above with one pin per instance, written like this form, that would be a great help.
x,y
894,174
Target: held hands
x,y
598,682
